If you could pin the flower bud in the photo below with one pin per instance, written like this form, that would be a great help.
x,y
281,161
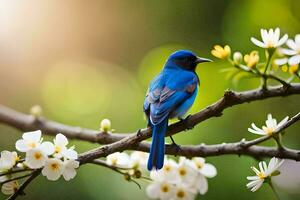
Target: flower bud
x,y
36,111
105,125
251,59
137,173
221,52
293,69
127,177
237,58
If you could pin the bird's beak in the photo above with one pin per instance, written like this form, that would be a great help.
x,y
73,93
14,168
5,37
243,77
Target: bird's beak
x,y
201,60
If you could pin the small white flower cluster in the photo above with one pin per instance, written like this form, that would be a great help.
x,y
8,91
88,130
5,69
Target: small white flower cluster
x,y
290,55
182,180
176,180
55,159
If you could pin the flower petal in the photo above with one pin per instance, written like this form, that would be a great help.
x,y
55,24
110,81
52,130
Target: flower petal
x,y
281,61
282,40
290,43
61,140
258,43
257,186
47,148
32,136
294,60
70,154
252,178
152,190
208,170
288,52
203,185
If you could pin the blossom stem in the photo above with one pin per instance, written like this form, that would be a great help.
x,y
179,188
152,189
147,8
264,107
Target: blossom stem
x,y
269,54
16,178
273,189
269,57
14,171
116,169
278,140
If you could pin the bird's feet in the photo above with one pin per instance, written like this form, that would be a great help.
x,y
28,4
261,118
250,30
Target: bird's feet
x,y
175,146
139,132
186,123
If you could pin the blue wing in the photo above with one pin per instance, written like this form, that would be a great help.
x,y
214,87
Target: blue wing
x,y
171,89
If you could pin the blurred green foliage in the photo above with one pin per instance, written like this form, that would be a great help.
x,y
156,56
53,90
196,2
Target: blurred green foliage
x,y
89,61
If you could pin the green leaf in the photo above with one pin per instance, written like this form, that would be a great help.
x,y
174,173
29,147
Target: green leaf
x,y
276,173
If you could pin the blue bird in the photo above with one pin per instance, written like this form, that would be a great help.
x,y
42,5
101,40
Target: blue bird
x,y
170,95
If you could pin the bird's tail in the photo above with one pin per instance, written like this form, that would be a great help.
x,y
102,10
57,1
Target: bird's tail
x,y
157,150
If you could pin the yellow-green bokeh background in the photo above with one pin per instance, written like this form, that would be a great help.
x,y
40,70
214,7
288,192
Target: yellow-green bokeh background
x,y
83,61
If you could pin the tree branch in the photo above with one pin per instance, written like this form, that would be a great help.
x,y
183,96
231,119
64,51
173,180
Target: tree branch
x,y
239,148
121,142
25,122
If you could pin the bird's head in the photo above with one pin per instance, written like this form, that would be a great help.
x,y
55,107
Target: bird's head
x,y
186,59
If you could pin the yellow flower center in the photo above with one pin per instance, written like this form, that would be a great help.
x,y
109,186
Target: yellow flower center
x,y
269,130
261,175
270,44
114,161
54,166
180,194
37,155
199,165
17,158
57,149
31,145
293,69
182,171
167,168
164,188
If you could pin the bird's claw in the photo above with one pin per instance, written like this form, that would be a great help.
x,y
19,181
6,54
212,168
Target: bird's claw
x,y
185,122
139,133
176,147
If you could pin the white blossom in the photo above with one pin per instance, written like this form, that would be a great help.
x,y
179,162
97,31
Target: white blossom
x,y
53,169
160,190
169,172
8,160
69,169
36,157
186,172
61,150
182,192
118,159
263,173
205,170
270,39
30,140
139,159
182,180
293,51
271,126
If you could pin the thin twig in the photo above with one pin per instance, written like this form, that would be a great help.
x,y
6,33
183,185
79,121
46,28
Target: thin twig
x,y
21,189
16,178
14,171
